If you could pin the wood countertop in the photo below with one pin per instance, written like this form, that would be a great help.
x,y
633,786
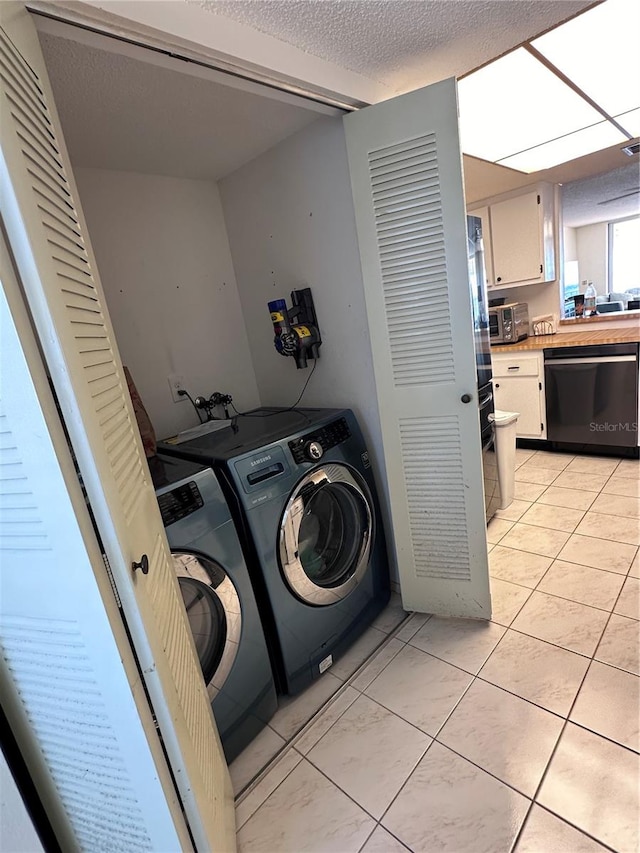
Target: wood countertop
x,y
609,317
576,337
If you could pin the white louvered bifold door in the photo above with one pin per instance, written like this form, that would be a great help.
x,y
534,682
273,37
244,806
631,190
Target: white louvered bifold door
x,y
48,237
69,684
406,176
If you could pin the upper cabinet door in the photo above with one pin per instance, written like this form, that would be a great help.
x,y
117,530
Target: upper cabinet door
x,y
49,240
406,177
516,234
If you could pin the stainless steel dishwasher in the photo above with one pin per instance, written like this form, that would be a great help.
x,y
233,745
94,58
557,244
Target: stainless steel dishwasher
x,y
592,394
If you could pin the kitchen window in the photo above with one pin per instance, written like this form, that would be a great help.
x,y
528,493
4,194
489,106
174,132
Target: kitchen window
x,y
624,257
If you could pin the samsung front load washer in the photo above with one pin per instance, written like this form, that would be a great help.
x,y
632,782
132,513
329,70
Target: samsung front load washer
x,y
219,599
302,492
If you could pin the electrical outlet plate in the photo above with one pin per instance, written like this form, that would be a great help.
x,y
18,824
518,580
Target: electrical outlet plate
x,y
176,383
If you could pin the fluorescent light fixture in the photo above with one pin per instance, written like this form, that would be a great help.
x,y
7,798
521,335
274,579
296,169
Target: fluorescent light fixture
x,y
598,51
578,144
521,112
516,103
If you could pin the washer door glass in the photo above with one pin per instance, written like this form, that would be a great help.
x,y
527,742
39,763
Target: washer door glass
x,y
325,536
213,609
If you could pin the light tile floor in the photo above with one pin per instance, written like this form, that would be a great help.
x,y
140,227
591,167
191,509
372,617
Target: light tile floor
x,y
521,734
295,712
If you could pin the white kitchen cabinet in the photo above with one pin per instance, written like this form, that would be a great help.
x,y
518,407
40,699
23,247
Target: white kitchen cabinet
x,y
518,382
519,237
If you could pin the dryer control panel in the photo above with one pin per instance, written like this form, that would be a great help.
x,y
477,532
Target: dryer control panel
x,y
313,446
179,503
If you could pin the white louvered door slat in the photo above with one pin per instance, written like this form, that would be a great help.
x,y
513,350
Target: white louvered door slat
x,y
68,680
406,175
49,240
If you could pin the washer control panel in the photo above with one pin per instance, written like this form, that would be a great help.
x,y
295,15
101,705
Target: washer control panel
x,y
313,446
179,503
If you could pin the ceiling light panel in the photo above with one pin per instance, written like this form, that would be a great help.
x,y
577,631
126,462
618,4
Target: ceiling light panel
x,y
515,104
598,51
585,141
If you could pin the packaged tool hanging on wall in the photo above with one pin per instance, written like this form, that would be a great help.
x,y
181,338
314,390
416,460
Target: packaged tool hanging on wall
x,y
296,328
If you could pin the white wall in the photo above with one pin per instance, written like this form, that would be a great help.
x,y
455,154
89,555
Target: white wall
x,y
165,264
591,244
570,244
541,298
291,224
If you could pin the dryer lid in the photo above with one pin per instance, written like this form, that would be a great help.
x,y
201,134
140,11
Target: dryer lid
x,y
167,470
256,429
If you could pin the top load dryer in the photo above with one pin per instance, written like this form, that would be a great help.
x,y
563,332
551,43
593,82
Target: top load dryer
x,y
219,599
302,493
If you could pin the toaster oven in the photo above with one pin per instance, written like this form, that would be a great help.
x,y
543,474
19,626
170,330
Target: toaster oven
x,y
509,323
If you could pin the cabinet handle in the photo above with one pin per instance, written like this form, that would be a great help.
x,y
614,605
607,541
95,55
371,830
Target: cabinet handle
x,y
497,384
516,367
466,398
499,278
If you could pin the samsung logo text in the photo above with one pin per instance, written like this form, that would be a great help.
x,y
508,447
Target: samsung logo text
x,y
260,461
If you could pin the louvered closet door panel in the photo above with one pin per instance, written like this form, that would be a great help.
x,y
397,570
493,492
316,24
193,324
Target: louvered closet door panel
x,y
48,236
63,683
406,176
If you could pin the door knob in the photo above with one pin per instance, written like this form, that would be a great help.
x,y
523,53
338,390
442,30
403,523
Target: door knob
x,y
466,398
143,565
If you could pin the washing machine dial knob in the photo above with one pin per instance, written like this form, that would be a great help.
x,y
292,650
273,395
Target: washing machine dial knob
x,y
314,450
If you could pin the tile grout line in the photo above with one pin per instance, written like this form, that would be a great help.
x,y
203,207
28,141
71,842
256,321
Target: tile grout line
x,y
574,600
549,811
270,768
531,591
291,744
264,771
363,692
432,741
534,799
549,557
485,680
510,628
582,512
350,796
567,720
556,560
356,674
474,678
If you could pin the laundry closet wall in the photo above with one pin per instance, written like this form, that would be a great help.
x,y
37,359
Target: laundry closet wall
x,y
163,254
290,219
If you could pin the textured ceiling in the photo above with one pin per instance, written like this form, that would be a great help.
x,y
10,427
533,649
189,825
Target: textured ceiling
x,y
123,114
402,43
127,114
597,199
